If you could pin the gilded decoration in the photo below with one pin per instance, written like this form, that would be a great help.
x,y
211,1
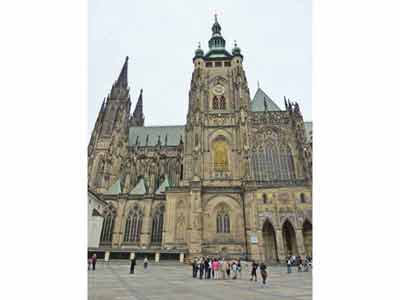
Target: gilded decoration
x,y
220,149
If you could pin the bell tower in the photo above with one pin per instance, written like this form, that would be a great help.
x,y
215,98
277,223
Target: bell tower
x,y
217,120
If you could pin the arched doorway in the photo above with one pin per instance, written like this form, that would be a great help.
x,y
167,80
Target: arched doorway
x,y
307,236
271,251
289,239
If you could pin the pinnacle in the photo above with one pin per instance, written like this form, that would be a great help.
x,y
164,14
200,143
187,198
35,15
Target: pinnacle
x,y
122,80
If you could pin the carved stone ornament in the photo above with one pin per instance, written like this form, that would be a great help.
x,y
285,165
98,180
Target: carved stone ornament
x,y
218,90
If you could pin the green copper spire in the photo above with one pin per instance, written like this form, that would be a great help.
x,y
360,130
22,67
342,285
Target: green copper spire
x,y
216,41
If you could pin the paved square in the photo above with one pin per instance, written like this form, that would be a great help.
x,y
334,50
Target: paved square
x,y
174,282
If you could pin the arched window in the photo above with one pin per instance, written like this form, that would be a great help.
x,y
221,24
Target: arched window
x,y
215,103
157,228
108,226
223,223
220,149
222,103
133,226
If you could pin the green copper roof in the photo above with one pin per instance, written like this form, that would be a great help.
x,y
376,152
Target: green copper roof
x,y
168,135
114,189
163,186
139,189
257,104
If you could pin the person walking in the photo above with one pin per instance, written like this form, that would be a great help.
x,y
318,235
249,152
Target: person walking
x,y
89,263
228,269
234,270
263,271
206,268
239,269
201,268
133,264
209,262
289,264
94,259
145,263
194,268
254,267
215,269
300,265
222,268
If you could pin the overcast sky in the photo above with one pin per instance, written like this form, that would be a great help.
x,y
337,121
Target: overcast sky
x,y
160,38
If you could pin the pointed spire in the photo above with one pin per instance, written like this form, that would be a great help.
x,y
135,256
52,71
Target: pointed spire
x,y
122,80
138,116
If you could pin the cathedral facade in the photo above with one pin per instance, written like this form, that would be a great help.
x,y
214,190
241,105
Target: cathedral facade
x,y
234,181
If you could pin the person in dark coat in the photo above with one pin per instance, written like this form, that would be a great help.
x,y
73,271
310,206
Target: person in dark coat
x,y
94,259
263,271
201,268
205,268
254,267
133,264
194,268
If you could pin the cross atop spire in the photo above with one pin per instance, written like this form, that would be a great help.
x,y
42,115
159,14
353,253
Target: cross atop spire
x,y
122,80
216,28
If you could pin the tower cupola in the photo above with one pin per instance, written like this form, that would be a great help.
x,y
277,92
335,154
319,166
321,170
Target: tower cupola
x,y
216,41
199,52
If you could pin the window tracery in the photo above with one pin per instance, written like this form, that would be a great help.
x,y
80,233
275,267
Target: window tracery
x,y
219,102
133,225
108,225
223,222
157,228
271,162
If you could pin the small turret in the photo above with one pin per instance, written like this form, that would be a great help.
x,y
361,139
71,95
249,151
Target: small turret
x,y
236,50
199,53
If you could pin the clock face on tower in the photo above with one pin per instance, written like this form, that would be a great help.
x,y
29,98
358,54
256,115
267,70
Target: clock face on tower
x,y
218,90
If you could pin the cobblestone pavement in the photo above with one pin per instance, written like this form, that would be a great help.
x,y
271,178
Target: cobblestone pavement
x,y
174,282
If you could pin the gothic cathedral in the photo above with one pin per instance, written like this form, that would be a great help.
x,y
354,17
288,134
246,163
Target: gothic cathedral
x,y
235,181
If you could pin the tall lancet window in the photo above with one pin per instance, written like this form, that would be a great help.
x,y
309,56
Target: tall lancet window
x,y
222,102
215,104
223,222
108,226
133,226
157,228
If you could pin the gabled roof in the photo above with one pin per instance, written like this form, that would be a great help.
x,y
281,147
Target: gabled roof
x,y
257,104
139,189
163,186
171,134
115,189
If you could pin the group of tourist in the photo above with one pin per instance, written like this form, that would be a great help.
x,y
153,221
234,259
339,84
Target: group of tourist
x,y
303,265
221,269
